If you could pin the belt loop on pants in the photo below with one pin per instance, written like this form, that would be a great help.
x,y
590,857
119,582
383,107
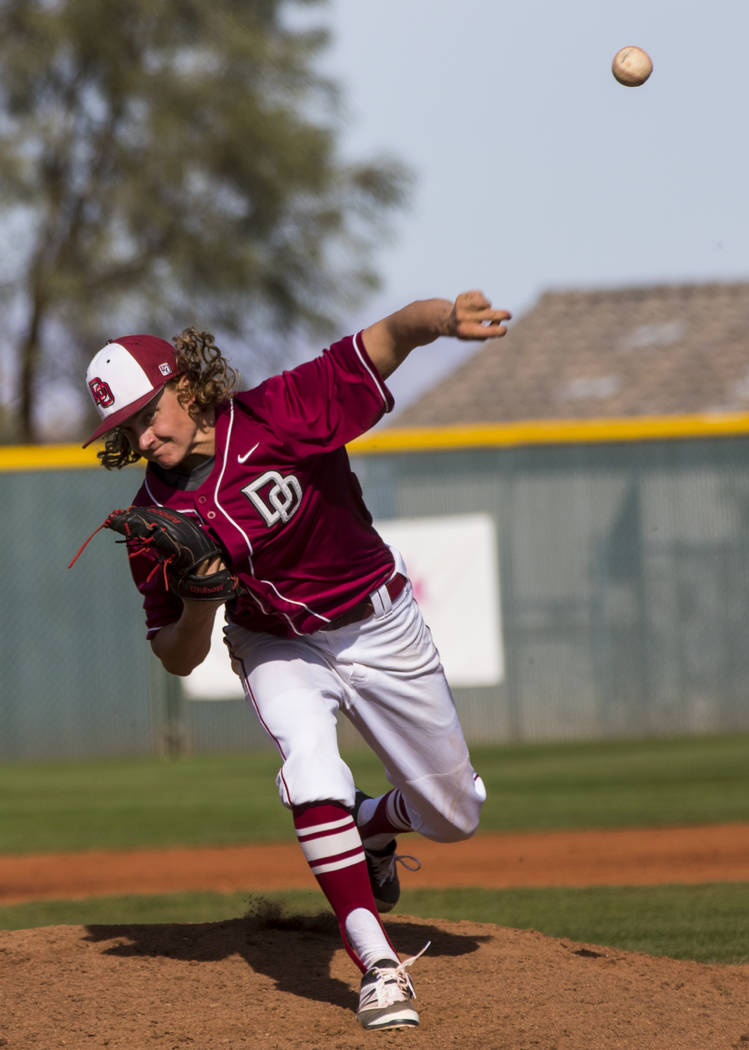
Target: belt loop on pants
x,y
378,602
381,600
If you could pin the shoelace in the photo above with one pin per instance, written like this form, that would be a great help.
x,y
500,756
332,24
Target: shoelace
x,y
396,983
383,868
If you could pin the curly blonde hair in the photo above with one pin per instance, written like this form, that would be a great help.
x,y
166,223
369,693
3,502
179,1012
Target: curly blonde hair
x,y
206,379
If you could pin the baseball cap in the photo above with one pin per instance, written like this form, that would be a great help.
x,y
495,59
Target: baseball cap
x,y
125,375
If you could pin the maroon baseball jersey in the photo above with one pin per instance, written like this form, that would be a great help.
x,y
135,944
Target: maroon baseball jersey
x,y
282,498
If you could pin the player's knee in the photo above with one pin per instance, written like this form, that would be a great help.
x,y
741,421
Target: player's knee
x,y
461,826
459,820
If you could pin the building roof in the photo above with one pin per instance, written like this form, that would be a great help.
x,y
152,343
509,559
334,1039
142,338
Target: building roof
x,y
651,351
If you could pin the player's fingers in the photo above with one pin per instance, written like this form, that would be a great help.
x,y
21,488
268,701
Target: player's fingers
x,y
473,317
480,322
490,315
210,565
489,329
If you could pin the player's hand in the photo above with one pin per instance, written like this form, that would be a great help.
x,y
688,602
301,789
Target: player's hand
x,y
207,568
474,317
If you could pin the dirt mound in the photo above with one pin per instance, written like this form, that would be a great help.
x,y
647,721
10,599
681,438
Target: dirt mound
x,y
269,982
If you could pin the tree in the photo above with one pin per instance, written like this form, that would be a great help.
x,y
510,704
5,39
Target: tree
x,y
173,162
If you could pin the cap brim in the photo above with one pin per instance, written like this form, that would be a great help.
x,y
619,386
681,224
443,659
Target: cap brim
x,y
124,414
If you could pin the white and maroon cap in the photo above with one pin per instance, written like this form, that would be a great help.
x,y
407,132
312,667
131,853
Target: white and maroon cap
x,y
125,375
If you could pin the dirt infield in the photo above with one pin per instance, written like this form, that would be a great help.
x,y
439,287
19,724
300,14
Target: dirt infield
x,y
582,858
270,983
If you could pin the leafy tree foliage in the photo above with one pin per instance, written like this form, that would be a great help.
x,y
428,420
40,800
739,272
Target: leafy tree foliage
x,y
173,162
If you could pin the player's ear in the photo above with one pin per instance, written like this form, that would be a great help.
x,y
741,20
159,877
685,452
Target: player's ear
x,y
183,389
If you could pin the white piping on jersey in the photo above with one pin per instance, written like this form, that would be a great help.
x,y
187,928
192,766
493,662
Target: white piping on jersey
x,y
291,601
375,376
260,604
221,473
147,487
157,503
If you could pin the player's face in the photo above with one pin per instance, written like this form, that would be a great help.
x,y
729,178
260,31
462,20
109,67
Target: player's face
x,y
165,433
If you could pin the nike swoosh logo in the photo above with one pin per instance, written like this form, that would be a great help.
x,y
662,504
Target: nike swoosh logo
x,y
246,456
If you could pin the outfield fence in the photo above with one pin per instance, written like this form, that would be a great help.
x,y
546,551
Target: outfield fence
x,y
621,572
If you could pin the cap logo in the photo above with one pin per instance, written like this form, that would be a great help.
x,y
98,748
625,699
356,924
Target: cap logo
x,y
165,368
101,392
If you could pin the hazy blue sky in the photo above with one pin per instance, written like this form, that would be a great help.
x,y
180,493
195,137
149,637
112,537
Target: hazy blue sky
x,y
535,169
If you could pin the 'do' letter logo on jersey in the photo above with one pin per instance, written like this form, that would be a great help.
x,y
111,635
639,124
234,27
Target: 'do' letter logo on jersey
x,y
277,498
101,392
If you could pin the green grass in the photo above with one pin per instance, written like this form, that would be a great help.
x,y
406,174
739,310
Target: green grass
x,y
132,802
230,799
704,923
623,783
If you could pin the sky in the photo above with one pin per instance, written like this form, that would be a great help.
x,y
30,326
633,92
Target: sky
x,y
534,169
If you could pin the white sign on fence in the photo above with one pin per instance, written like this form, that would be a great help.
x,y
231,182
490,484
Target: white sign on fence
x,y
452,564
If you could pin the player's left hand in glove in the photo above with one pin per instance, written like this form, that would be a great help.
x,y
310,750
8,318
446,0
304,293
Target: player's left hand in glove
x,y
180,549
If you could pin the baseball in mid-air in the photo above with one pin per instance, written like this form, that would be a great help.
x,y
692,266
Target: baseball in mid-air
x,y
632,66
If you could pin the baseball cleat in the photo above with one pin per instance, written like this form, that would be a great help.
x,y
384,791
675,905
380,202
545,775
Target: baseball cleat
x,y
386,996
381,866
383,874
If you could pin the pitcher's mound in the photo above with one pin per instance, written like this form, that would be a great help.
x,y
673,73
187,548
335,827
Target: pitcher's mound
x,y
272,983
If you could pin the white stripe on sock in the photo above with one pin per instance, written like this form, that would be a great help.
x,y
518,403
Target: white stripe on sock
x,y
330,845
395,809
318,829
336,865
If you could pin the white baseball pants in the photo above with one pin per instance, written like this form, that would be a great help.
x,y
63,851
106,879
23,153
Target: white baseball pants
x,y
384,674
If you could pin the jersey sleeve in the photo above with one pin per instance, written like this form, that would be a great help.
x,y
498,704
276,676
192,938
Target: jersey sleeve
x,y
323,404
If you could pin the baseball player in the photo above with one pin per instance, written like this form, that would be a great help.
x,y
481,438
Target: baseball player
x,y
322,620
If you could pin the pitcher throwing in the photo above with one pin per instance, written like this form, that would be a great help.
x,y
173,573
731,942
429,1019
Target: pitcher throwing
x,y
320,618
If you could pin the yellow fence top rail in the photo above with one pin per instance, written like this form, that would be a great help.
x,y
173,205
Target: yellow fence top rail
x,y
550,432
46,457
424,439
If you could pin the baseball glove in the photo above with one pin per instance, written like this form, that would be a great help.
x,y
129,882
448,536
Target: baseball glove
x,y
178,545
